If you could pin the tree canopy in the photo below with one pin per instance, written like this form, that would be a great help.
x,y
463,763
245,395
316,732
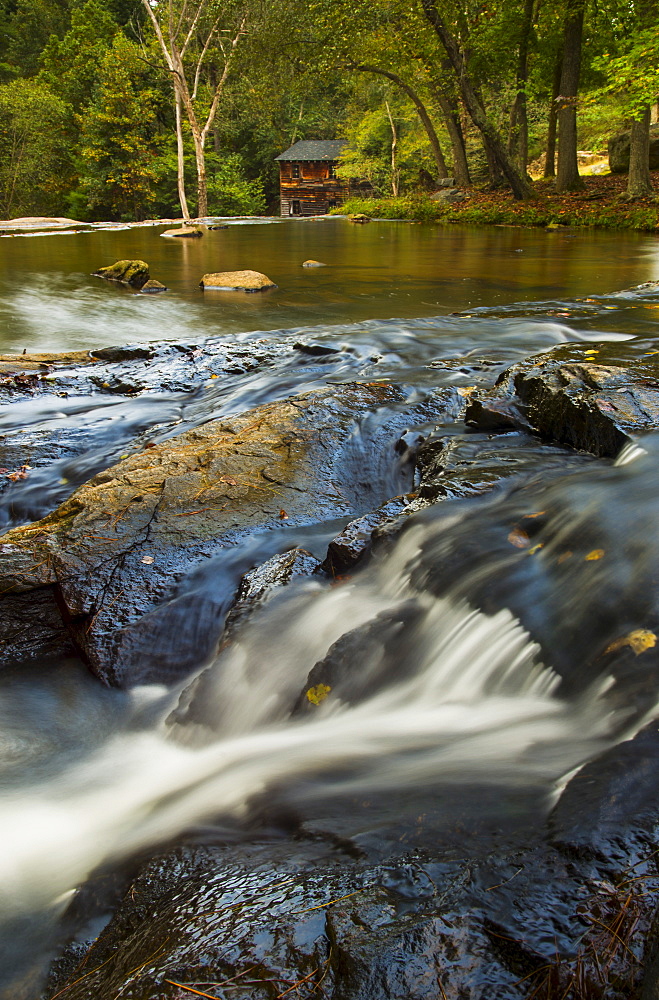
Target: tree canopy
x,y
123,108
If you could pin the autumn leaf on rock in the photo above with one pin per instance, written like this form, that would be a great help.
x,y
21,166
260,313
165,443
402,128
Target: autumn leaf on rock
x,y
318,693
638,640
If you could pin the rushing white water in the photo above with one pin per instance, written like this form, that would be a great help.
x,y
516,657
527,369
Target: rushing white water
x,y
477,706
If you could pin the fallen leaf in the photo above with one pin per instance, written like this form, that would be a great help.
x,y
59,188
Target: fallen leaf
x,y
564,556
536,548
467,390
595,554
518,538
229,480
318,693
147,559
213,375
639,641
283,515
536,513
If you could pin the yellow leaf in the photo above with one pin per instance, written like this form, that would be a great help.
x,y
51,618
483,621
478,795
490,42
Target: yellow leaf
x,y
467,390
536,548
318,693
639,641
595,554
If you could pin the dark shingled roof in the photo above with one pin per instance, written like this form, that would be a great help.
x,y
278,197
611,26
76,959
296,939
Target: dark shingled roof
x,y
314,149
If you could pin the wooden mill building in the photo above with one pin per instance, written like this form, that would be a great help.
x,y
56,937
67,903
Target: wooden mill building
x,y
308,184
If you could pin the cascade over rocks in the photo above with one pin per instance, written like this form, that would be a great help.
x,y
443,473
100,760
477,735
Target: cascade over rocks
x,y
480,923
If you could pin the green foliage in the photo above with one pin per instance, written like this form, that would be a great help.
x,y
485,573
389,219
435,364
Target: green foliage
x,y
229,190
497,211
35,164
120,136
29,28
70,65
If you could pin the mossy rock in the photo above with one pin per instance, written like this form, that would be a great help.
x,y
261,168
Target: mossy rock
x,y
128,272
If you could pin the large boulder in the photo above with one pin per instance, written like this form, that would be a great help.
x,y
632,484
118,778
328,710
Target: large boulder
x,y
128,272
109,559
619,151
590,407
236,281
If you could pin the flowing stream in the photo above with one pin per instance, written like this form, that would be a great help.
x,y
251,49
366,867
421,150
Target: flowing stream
x,y
482,678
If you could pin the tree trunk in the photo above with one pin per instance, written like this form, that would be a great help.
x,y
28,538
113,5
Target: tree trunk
x,y
180,160
421,110
518,184
568,178
202,187
550,155
394,144
456,136
518,140
639,184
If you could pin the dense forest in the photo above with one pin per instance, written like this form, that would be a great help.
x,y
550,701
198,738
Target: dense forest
x,y
130,109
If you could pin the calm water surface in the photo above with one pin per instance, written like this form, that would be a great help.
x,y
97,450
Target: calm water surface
x,y
49,301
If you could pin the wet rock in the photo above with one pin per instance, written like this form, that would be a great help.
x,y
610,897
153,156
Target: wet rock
x,y
463,465
227,281
262,581
130,353
128,272
362,662
315,350
30,359
395,924
589,407
354,542
185,232
33,629
359,218
153,287
313,263
118,385
117,549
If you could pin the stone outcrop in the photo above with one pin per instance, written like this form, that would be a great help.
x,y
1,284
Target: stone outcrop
x,y
110,557
618,148
236,281
128,272
313,263
590,407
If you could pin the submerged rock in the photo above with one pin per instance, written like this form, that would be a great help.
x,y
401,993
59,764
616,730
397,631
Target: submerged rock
x,y
227,281
152,286
590,407
128,272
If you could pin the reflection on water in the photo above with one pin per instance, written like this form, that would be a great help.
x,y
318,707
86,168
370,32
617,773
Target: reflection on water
x,y
49,301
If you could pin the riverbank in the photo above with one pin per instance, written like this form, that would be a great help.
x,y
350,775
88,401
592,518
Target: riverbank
x,y
600,203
